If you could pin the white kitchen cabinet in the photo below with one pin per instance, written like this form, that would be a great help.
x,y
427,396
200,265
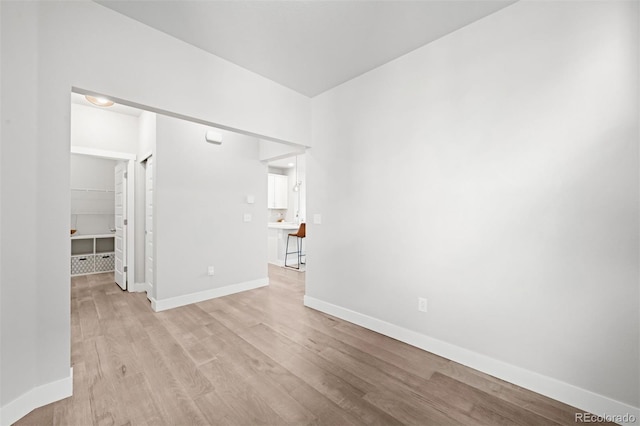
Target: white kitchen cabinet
x,y
272,251
277,191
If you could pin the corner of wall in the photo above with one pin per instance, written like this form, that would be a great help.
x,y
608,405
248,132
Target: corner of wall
x,y
36,397
564,392
187,299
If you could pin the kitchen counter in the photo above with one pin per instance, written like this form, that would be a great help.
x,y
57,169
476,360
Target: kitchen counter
x,y
278,233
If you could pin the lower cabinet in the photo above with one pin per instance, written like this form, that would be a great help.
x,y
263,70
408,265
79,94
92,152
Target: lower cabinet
x,y
91,254
84,264
105,262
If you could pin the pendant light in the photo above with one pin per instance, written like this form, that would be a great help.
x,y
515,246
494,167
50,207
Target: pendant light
x,y
296,187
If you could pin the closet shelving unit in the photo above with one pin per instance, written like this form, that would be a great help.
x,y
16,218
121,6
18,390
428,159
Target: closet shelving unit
x,y
92,254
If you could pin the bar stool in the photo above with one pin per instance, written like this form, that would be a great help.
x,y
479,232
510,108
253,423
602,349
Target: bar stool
x,y
299,236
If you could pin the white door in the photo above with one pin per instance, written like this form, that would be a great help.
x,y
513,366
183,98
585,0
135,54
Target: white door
x,y
148,229
121,224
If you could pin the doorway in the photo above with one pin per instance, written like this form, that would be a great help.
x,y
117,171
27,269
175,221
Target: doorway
x,y
102,234
149,252
287,209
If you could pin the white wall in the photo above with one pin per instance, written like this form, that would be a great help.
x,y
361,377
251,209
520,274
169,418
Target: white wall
x,y
92,194
87,172
19,350
48,48
103,129
270,150
199,204
495,172
146,134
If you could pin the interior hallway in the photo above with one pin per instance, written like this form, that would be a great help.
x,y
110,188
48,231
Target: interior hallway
x,y
261,357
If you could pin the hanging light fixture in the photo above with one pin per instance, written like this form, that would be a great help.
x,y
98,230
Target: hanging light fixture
x,y
296,187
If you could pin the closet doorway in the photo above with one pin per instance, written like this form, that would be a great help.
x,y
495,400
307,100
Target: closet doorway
x,y
102,215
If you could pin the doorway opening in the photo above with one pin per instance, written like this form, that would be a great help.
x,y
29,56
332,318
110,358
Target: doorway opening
x,y
287,195
104,145
102,200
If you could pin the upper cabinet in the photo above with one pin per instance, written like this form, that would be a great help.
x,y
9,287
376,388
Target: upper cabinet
x,y
277,192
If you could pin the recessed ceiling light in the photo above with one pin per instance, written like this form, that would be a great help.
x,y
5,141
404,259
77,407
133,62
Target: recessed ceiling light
x,y
99,101
290,164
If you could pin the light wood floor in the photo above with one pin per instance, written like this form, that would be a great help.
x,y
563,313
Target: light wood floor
x,y
261,357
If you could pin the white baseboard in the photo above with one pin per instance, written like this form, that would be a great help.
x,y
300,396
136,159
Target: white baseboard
x,y
138,287
187,299
35,398
544,385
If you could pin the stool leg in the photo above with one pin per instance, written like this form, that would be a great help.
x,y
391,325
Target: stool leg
x,y
286,251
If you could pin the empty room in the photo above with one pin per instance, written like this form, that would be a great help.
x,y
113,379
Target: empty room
x,y
319,212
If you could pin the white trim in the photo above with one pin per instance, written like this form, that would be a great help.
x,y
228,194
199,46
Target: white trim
x,y
548,386
187,299
35,398
102,153
165,112
131,223
145,156
138,287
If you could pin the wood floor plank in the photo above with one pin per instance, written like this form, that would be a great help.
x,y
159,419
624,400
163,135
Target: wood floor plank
x,y
182,367
42,416
253,366
168,393
239,396
143,410
274,373
334,387
89,321
261,357
454,390
411,389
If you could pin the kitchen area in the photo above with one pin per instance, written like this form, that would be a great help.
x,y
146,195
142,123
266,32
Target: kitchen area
x,y
286,201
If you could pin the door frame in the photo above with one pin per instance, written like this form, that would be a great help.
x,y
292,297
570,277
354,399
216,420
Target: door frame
x,y
131,162
150,287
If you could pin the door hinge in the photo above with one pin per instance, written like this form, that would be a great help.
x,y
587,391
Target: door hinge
x,y
126,222
126,174
125,269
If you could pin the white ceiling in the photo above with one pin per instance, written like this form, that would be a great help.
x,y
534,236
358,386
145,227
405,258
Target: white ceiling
x,y
308,46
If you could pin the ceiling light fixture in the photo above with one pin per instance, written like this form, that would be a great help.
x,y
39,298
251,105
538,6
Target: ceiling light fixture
x,y
99,101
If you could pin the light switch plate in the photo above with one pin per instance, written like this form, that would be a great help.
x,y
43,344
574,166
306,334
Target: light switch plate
x,y
247,217
251,199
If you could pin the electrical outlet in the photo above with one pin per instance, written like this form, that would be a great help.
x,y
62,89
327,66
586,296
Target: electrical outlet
x,y
210,271
422,304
